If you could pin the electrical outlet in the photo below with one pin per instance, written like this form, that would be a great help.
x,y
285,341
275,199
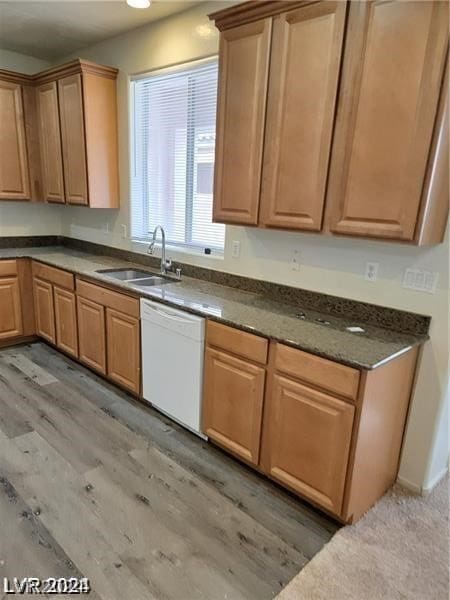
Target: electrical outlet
x,y
124,231
235,249
295,260
420,280
105,227
371,271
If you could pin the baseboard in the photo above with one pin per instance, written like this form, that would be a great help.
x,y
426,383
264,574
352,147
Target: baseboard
x,y
433,483
423,490
412,487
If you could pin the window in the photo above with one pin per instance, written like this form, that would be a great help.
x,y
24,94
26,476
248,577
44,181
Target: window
x,y
174,133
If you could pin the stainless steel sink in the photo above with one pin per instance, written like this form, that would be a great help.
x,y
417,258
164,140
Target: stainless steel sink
x,y
151,281
136,277
125,274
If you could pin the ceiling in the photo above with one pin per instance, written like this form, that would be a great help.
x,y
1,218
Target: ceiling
x,y
50,30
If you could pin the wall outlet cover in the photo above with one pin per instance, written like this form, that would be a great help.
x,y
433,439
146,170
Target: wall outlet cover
x,y
371,273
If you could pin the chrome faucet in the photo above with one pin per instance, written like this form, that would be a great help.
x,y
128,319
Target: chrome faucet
x,y
165,264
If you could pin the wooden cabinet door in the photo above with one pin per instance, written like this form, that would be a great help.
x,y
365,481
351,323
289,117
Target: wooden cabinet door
x,y
66,320
306,441
233,397
50,142
73,139
243,72
304,71
10,308
91,334
123,349
392,73
44,310
14,172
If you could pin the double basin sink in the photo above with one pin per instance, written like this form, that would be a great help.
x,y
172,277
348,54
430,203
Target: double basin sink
x,y
142,279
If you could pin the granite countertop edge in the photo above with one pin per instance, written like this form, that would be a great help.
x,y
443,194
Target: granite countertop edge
x,y
381,345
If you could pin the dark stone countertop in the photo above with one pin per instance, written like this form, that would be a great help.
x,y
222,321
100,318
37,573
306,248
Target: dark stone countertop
x,y
245,310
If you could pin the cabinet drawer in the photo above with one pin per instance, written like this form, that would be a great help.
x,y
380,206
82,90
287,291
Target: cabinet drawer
x,y
320,372
62,279
115,300
8,268
237,342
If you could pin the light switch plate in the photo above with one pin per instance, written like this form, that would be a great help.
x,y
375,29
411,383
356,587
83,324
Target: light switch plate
x,y
420,280
235,249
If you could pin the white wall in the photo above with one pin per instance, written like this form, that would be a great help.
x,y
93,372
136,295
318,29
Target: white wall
x,y
23,218
329,265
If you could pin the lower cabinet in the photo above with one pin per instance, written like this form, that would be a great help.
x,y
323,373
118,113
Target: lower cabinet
x,y
233,403
123,349
326,431
44,310
10,308
109,333
91,334
307,441
66,320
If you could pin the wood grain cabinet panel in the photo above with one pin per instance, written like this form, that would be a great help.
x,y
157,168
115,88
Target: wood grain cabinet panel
x,y
123,349
233,403
44,310
10,308
50,142
244,67
306,441
304,71
66,321
91,334
14,168
392,74
73,139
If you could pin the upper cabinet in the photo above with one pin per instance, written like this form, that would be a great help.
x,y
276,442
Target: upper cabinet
x,y
14,168
392,76
73,142
50,142
332,118
244,70
305,61
75,114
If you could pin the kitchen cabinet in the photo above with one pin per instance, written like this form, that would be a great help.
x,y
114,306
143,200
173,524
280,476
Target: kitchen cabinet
x,y
244,69
233,390
347,130
60,128
328,432
66,320
54,301
91,334
50,142
14,166
70,95
391,83
123,349
233,402
44,310
307,441
304,72
10,303
109,333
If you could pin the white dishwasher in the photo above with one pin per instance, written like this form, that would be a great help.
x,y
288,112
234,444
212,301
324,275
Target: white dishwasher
x,y
172,362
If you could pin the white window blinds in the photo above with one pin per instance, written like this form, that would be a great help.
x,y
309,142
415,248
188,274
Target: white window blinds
x,y
174,130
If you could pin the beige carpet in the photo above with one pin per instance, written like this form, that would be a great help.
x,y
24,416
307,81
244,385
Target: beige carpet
x,y
399,550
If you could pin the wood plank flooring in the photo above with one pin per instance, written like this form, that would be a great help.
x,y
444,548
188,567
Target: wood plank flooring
x,y
94,483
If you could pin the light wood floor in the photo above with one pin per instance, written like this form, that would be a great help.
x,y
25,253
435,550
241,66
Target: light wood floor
x,y
94,483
